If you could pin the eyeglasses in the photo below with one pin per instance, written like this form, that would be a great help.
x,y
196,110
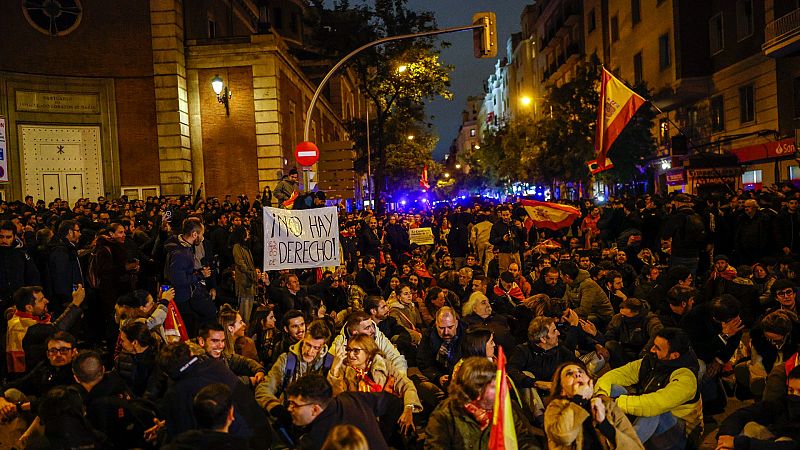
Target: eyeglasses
x,y
59,351
353,350
292,405
785,292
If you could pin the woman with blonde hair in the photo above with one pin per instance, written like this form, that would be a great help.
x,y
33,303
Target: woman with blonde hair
x,y
234,325
359,366
345,437
574,419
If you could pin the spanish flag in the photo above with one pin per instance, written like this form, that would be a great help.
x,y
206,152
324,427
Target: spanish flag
x,y
618,104
174,329
502,435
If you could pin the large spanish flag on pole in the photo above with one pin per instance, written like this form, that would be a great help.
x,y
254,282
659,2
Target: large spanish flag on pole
x,y
618,104
552,216
502,436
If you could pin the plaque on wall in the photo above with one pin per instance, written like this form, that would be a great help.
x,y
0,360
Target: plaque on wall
x,y
57,102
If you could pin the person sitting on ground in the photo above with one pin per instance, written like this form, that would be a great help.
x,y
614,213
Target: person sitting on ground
x,y
360,367
211,336
584,295
294,328
213,410
312,406
631,331
664,393
464,419
440,349
359,322
477,312
407,313
680,300
766,424
378,310
576,419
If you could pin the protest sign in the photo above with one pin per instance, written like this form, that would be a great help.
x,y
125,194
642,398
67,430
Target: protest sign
x,y
299,239
421,236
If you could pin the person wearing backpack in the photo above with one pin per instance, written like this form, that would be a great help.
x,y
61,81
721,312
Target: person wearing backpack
x,y
307,356
686,229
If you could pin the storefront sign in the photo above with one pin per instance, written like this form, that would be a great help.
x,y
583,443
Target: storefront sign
x,y
301,239
676,177
767,150
3,151
715,172
57,102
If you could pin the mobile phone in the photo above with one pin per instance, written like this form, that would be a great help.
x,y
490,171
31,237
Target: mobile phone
x,y
74,287
164,287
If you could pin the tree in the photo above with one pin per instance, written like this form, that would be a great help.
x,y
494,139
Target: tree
x,y
397,77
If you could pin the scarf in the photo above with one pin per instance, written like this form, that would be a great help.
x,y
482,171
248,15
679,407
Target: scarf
x,y
729,273
26,315
513,294
365,383
482,416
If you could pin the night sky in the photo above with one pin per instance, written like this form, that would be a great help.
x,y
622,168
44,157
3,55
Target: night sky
x,y
470,73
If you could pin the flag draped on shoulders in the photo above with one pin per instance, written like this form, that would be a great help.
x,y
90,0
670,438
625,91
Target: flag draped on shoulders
x,y
618,104
502,436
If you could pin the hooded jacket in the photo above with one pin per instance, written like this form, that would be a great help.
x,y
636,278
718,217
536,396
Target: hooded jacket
x,y
587,297
662,386
384,345
269,393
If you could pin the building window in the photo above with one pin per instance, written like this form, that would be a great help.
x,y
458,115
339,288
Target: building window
x,y
212,28
591,22
717,114
638,68
614,29
636,12
277,18
664,59
715,34
796,87
751,180
794,172
747,110
744,19
663,131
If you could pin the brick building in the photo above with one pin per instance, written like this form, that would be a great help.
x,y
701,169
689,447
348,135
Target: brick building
x,y
104,99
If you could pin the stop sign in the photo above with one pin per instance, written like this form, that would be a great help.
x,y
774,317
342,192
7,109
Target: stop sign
x,y
306,153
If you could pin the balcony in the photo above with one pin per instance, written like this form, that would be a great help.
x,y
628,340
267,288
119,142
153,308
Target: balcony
x,y
782,35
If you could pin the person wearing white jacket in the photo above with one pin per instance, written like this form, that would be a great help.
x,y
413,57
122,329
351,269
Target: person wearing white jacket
x,y
360,323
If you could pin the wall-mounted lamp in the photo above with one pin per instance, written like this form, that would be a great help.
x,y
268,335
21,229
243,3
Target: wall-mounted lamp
x,y
222,91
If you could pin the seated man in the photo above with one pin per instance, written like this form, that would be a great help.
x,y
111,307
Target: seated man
x,y
680,300
312,405
307,356
211,336
631,331
359,322
584,295
213,411
57,370
294,326
766,424
665,397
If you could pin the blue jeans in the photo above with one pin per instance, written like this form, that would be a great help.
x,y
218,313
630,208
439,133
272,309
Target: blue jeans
x,y
647,427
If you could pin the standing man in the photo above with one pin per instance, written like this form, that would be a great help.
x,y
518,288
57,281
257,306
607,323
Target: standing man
x,y
64,270
506,237
688,233
286,190
185,279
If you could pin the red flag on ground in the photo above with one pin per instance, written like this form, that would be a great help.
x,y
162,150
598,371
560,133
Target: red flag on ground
x,y
173,325
618,104
423,181
502,436
552,216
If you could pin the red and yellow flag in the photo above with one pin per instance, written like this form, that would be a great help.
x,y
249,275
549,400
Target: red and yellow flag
x,y
173,325
502,435
617,106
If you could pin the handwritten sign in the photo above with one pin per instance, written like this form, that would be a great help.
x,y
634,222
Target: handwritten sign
x,y
421,236
301,239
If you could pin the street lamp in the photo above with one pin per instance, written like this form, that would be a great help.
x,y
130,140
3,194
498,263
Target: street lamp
x,y
410,137
222,91
525,100
458,166
402,68
447,174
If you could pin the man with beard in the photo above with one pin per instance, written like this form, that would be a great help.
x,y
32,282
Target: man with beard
x,y
294,328
212,338
506,237
185,279
549,283
664,391
369,242
17,269
631,331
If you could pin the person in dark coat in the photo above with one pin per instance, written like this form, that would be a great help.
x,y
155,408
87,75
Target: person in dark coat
x,y
214,411
312,404
755,234
397,238
192,373
539,357
182,275
440,348
64,270
17,268
365,278
369,242
686,229
788,225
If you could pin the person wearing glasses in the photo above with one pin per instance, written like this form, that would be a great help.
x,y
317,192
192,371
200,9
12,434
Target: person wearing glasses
x,y
57,370
360,367
773,340
784,293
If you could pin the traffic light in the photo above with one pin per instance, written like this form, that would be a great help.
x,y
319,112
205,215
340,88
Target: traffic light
x,y
484,39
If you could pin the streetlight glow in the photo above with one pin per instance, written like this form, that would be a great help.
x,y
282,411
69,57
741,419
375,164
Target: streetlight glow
x,y
458,166
526,101
402,68
410,137
447,174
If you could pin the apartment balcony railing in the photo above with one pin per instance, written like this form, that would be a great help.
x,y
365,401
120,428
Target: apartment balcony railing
x,y
782,35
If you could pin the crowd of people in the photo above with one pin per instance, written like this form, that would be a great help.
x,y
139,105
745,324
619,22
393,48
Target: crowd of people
x,y
149,324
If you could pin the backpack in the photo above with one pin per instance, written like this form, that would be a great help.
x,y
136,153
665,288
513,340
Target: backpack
x,y
93,270
291,367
